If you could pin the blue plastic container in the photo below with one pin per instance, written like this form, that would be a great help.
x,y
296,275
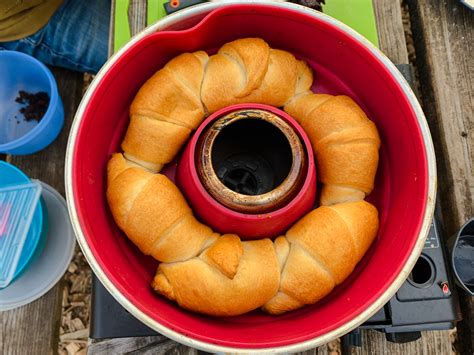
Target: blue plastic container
x,y
35,239
19,71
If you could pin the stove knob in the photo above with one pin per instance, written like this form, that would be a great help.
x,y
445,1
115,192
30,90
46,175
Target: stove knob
x,y
445,288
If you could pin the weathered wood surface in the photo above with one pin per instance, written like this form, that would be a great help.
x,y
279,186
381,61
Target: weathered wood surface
x,y
137,16
444,42
432,342
322,350
157,345
390,30
143,345
34,328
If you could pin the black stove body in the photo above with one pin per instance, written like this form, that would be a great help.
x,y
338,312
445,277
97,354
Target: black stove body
x,y
426,300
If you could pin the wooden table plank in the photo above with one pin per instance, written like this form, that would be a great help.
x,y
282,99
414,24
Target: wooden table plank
x,y
444,42
432,342
138,345
390,29
34,328
322,350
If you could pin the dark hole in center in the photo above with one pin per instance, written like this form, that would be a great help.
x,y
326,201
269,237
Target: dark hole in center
x,y
422,273
251,156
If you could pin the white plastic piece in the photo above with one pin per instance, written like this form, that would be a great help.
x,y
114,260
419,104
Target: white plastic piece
x,y
49,267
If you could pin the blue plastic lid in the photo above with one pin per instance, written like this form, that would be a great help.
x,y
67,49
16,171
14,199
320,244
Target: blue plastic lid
x,y
18,203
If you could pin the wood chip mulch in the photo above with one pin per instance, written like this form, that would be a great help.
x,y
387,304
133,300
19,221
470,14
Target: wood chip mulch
x,y
74,329
75,317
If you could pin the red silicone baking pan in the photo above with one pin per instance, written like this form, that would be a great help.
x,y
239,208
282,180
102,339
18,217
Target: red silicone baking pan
x,y
343,63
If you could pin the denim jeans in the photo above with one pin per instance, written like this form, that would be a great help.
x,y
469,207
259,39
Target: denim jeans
x,y
76,37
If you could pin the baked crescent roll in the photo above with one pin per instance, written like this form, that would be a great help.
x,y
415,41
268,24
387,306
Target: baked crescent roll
x,y
345,143
203,284
320,251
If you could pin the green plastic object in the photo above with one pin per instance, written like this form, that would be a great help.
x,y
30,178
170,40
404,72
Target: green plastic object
x,y
357,14
121,24
155,11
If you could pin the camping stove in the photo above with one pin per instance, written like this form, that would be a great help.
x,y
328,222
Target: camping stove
x,y
424,302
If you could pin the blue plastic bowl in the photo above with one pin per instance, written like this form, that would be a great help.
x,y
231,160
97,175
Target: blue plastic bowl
x,y
19,71
36,236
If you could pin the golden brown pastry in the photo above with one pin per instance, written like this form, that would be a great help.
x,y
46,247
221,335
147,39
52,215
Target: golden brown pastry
x,y
249,71
320,251
165,111
174,101
219,274
206,285
153,213
345,144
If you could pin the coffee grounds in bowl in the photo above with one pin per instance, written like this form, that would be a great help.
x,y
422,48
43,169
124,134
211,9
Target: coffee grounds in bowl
x,y
37,104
